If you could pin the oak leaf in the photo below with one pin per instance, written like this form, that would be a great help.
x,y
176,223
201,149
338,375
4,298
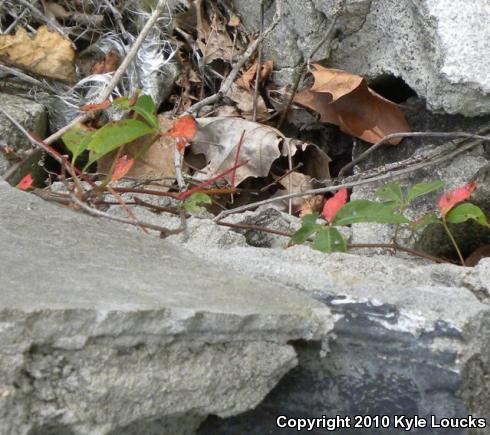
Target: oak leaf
x,y
47,54
218,139
344,99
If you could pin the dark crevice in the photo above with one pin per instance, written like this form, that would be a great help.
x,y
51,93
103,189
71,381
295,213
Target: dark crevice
x,y
392,88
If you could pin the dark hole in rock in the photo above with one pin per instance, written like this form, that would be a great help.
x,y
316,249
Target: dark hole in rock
x,y
393,88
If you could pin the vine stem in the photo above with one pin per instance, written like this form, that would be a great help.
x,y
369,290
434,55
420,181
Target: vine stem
x,y
453,240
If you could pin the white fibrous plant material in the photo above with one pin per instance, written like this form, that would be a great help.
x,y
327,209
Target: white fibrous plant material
x,y
149,73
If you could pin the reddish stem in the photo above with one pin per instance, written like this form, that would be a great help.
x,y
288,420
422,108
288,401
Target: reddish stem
x,y
239,147
184,195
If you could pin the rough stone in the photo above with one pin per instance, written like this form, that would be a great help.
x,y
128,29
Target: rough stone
x,y
104,331
410,338
471,165
439,49
31,115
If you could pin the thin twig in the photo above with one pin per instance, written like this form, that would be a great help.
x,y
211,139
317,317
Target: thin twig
x,y
228,82
44,146
387,138
255,228
327,38
40,16
351,184
279,179
392,246
237,158
106,93
259,64
99,213
178,169
128,211
184,195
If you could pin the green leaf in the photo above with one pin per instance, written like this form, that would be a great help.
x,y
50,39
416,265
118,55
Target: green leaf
x,y
422,189
329,239
362,210
145,107
303,233
115,134
191,204
122,103
428,219
466,211
309,219
308,228
76,140
391,192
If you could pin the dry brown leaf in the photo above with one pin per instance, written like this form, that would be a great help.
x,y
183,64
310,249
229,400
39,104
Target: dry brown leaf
x,y
226,112
245,100
315,161
156,163
248,77
55,10
48,54
345,100
218,138
312,204
295,182
213,39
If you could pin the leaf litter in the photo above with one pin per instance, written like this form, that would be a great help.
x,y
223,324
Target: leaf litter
x,y
207,43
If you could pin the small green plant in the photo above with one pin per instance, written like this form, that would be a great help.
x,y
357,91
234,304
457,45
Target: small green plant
x,y
390,210
115,134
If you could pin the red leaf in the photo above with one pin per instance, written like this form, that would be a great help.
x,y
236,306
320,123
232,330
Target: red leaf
x,y
183,130
122,167
450,199
334,204
26,182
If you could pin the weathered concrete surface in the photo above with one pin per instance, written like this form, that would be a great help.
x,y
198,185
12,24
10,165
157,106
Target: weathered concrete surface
x,y
104,330
439,48
410,338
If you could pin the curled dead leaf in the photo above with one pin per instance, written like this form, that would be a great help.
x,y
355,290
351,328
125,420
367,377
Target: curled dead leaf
x,y
312,204
295,182
345,100
218,138
47,54
213,39
248,77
